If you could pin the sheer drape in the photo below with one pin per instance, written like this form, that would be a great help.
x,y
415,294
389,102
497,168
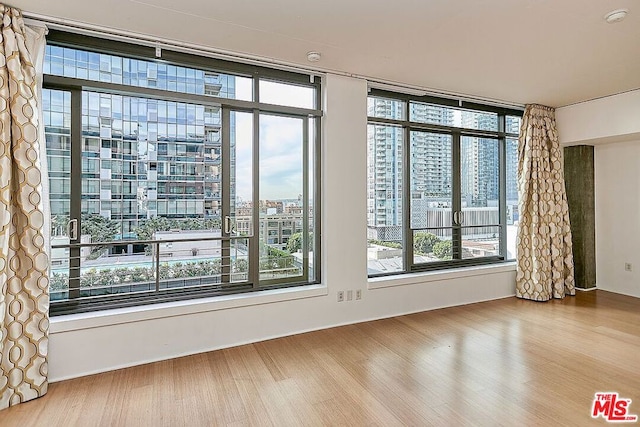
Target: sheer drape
x,y
544,250
24,282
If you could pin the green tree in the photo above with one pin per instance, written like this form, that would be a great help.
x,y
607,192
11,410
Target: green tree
x,y
294,244
273,258
423,243
443,250
59,225
240,265
59,282
112,280
141,274
148,227
393,245
100,229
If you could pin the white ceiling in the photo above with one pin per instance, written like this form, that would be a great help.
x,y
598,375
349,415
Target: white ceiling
x,y
522,51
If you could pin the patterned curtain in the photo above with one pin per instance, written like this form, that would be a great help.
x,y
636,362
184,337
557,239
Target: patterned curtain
x,y
24,282
36,43
544,250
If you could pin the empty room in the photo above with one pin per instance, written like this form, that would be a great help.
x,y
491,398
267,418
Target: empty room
x,y
286,213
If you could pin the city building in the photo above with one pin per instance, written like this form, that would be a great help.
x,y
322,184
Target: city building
x,y
430,157
141,158
468,352
279,220
431,174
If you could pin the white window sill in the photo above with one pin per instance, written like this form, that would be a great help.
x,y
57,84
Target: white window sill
x,y
97,319
436,276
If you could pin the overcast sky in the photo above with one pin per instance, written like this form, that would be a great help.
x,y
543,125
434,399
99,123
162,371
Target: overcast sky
x,y
280,143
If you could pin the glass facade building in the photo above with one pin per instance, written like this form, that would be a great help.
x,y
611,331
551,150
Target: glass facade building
x,y
442,163
141,157
164,176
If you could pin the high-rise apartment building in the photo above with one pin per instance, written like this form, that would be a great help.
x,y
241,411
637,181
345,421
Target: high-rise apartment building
x,y
141,157
430,159
385,175
479,162
431,153
512,126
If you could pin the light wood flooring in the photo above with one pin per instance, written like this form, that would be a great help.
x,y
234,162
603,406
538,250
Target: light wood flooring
x,y
507,362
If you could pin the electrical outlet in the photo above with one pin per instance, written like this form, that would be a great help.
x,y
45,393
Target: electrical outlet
x,y
349,295
340,296
358,294
627,266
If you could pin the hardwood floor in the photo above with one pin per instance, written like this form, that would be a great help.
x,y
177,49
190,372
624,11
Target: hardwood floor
x,y
507,362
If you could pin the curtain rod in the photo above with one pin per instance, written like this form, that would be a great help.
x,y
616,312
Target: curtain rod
x,y
145,40
130,36
418,91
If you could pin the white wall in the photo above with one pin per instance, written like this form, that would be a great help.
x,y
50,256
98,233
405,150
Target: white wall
x,y
617,169
82,344
612,124
610,119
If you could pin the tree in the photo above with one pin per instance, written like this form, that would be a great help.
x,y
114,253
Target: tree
x,y
59,225
100,229
148,227
159,223
59,282
240,265
273,258
443,250
294,244
424,242
393,245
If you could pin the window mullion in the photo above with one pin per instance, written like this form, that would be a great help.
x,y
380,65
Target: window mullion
x,y
317,197
226,196
75,207
502,192
254,244
305,198
407,233
55,81
456,203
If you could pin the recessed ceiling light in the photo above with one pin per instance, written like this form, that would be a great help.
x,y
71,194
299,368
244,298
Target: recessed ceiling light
x,y
616,15
313,56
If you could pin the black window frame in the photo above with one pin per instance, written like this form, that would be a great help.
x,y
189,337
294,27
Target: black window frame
x,y
311,122
456,133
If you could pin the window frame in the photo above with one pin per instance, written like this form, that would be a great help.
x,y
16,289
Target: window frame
x,y
457,134
310,117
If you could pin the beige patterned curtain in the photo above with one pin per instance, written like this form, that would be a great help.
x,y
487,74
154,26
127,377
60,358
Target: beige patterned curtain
x,y
24,297
544,251
36,42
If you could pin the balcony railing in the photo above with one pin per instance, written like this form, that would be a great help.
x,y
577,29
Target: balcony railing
x,y
85,270
132,266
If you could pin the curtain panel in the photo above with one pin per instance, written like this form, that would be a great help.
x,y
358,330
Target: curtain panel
x,y
24,282
36,43
544,249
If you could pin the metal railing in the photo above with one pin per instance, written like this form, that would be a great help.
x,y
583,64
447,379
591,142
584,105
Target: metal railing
x,y
81,270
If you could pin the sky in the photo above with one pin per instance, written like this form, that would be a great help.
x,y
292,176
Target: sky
x,y
280,142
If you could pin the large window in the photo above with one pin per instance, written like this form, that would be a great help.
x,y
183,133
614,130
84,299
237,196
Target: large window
x,y
442,189
176,176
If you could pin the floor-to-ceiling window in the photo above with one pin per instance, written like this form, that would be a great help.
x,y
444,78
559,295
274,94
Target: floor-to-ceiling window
x,y
442,187
176,176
